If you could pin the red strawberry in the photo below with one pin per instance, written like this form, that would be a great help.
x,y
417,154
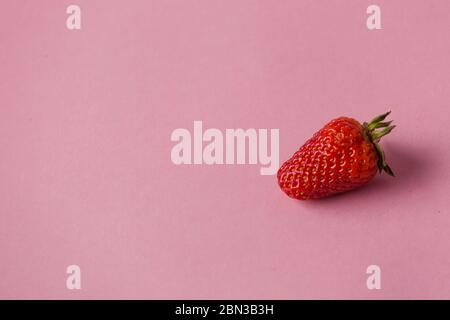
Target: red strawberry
x,y
342,156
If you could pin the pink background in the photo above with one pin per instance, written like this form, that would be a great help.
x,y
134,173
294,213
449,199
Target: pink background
x,y
85,170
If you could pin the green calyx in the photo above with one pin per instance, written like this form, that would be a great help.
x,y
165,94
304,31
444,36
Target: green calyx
x,y
374,131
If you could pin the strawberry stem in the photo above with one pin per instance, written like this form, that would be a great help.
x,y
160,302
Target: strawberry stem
x,y
374,135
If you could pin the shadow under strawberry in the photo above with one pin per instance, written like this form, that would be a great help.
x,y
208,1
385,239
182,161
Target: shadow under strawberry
x,y
414,170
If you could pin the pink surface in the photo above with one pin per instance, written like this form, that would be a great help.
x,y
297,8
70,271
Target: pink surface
x,y
85,170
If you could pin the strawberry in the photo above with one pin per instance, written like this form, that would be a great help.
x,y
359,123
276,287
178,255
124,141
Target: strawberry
x,y
342,156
